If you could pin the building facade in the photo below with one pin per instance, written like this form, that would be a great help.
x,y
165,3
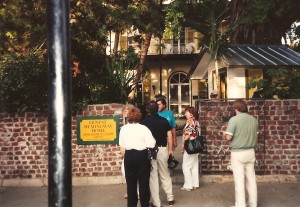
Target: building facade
x,y
183,73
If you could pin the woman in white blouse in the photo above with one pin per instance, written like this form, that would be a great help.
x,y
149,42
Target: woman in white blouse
x,y
135,139
190,164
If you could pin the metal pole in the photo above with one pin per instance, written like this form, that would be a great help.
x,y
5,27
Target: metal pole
x,y
59,117
160,68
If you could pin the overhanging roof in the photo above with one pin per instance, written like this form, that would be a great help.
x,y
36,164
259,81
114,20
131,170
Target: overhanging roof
x,y
247,56
262,55
200,66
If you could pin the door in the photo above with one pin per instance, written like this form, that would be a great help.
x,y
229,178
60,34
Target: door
x,y
179,92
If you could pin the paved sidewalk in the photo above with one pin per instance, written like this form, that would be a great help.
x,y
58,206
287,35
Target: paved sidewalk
x,y
208,195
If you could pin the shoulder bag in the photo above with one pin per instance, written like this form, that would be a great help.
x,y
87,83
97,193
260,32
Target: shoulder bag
x,y
194,146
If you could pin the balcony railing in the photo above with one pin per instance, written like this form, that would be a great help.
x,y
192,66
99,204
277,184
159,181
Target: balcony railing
x,y
170,48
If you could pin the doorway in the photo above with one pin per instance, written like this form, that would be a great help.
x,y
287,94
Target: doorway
x,y
179,92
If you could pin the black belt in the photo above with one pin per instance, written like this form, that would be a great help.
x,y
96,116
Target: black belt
x,y
161,145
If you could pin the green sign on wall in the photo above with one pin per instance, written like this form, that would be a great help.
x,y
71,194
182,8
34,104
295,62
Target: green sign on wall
x,y
98,130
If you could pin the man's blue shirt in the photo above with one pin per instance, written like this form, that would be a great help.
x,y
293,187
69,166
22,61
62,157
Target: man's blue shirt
x,y
169,116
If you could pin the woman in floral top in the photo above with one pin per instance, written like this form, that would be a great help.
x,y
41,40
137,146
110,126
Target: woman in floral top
x,y
190,164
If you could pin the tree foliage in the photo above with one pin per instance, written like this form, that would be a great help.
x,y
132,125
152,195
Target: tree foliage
x,y
174,20
22,27
208,17
279,83
247,21
23,85
262,21
121,70
98,78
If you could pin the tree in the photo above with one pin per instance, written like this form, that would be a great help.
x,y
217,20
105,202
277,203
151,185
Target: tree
x,y
23,32
23,85
292,36
23,63
116,82
23,27
149,20
281,83
263,21
266,22
208,17
98,77
121,74
174,20
147,16
247,21
119,18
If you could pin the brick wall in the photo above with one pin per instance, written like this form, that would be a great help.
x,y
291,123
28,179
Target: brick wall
x,y
24,144
278,150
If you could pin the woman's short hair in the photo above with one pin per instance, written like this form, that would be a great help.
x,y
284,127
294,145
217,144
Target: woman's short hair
x,y
240,105
134,115
192,111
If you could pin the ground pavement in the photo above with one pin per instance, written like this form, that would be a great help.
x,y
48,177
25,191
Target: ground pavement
x,y
208,195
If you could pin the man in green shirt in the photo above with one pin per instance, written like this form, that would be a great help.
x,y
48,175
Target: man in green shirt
x,y
242,133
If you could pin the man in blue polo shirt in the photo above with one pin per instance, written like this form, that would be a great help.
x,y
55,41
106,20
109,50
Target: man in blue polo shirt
x,y
163,112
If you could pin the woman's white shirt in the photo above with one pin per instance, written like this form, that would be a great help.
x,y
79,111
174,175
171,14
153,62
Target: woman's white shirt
x,y
136,136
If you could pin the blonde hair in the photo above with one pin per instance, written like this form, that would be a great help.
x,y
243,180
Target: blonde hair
x,y
126,109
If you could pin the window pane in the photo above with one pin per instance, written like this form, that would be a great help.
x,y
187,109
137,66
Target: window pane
x,y
175,78
173,94
174,109
185,94
184,79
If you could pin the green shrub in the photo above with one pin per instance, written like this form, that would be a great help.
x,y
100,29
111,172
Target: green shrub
x,y
23,84
24,81
282,83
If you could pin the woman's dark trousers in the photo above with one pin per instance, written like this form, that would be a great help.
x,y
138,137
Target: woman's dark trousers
x,y
137,169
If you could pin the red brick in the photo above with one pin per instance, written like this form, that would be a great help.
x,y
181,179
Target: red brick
x,y
108,112
279,124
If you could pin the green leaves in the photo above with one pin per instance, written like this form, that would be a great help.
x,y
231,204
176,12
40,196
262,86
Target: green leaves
x,y
174,20
263,21
23,26
279,83
121,70
23,84
208,17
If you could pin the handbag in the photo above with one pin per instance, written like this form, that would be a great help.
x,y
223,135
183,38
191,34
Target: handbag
x,y
194,146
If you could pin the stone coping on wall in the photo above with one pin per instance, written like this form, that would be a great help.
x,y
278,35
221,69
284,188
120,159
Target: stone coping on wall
x,y
89,181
